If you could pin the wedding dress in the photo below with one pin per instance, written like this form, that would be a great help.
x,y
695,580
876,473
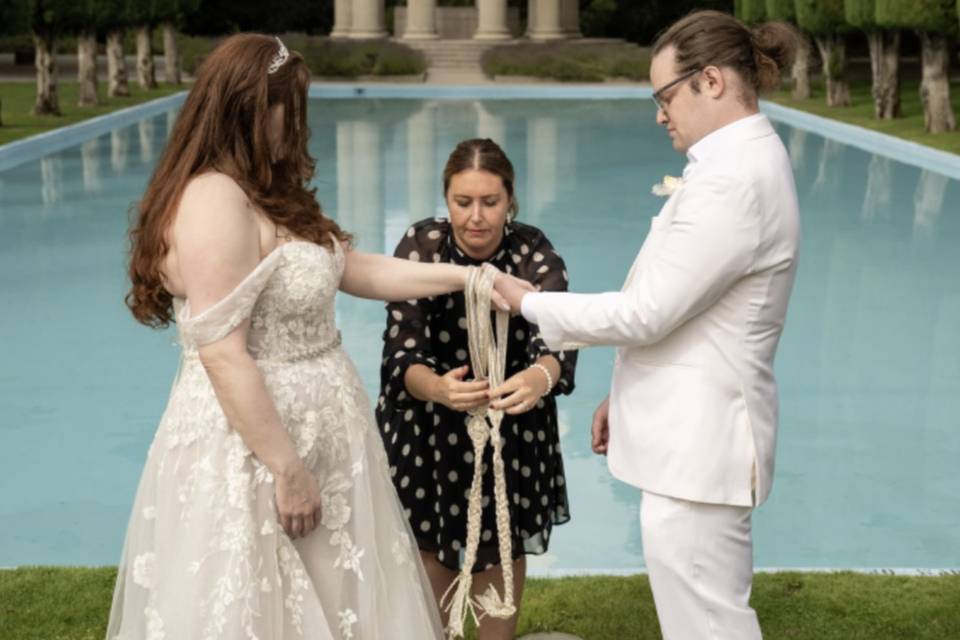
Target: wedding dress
x,y
205,556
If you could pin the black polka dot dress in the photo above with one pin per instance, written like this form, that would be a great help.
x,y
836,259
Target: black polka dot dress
x,y
430,453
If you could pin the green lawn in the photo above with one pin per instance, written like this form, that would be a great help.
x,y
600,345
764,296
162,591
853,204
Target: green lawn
x,y
18,97
49,603
909,127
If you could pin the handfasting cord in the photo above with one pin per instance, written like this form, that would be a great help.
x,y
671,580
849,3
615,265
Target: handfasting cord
x,y
488,357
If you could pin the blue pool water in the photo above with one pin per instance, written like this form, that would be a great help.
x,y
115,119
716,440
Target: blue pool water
x,y
869,365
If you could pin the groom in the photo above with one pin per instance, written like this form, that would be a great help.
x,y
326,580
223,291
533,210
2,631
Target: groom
x,y
691,418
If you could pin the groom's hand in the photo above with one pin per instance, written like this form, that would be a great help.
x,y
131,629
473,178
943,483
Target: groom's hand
x,y
600,430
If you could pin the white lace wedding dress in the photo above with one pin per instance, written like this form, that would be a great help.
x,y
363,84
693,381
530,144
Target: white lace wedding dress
x,y
205,556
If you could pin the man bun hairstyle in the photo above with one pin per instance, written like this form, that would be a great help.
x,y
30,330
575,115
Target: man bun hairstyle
x,y
705,38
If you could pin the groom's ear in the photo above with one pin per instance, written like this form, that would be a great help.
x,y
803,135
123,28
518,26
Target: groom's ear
x,y
713,82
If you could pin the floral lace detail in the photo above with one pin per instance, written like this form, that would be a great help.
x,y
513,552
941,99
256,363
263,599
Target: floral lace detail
x,y
401,549
347,619
206,532
154,624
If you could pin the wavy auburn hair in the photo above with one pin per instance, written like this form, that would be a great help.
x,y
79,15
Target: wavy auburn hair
x,y
222,126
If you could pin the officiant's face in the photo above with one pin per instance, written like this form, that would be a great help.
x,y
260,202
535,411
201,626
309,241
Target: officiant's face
x,y
678,105
478,203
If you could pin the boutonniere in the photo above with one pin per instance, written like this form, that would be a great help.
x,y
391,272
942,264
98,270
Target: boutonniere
x,y
668,187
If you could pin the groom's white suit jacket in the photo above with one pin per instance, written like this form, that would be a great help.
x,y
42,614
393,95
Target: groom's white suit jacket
x,y
693,402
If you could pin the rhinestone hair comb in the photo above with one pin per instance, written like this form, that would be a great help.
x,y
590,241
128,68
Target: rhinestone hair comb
x,y
279,59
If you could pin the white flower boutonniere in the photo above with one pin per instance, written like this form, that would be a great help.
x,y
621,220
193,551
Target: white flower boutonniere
x,y
668,187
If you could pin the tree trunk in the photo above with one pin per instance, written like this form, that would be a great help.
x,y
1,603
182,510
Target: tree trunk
x,y
801,69
87,69
885,69
116,66
146,75
171,56
47,102
935,87
833,53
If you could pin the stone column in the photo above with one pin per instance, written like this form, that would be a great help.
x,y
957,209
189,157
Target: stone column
x,y
544,20
342,18
369,20
492,20
421,20
570,18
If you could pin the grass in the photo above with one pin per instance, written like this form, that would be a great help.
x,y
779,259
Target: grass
x,y
569,62
909,127
18,98
51,603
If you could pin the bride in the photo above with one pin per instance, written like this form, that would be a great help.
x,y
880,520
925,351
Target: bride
x,y
265,509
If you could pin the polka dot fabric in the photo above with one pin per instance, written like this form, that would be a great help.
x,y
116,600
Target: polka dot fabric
x,y
430,454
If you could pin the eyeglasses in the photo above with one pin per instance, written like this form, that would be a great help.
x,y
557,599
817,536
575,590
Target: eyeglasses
x,y
658,94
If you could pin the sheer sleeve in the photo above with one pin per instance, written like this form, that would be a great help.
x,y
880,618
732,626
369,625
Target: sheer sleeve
x,y
542,266
227,314
406,340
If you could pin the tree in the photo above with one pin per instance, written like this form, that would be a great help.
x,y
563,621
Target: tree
x,y
85,24
884,56
115,23
750,12
786,11
47,20
936,22
825,19
13,21
143,18
169,14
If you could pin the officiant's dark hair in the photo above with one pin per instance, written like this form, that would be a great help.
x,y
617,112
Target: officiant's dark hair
x,y
705,38
485,155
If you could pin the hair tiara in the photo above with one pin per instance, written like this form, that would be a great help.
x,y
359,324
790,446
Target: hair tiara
x,y
278,59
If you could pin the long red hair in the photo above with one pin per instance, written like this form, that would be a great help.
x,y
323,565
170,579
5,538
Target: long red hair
x,y
222,126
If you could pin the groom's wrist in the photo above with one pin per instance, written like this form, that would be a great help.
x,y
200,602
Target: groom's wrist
x,y
527,309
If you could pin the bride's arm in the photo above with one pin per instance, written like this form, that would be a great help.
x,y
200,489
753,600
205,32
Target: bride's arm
x,y
371,275
217,243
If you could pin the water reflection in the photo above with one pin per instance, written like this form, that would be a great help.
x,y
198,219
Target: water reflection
x,y
90,155
928,204
51,179
870,381
119,148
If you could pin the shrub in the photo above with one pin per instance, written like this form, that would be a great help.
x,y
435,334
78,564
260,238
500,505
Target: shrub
x,y
569,61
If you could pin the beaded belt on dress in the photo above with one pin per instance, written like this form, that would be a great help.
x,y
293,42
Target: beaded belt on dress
x,y
308,353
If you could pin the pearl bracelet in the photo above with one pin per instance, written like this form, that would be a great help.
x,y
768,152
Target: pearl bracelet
x,y
546,372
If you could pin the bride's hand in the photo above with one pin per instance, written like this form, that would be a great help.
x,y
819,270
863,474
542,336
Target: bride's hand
x,y
298,502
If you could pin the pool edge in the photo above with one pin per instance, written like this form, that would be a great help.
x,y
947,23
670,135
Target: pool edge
x,y
20,151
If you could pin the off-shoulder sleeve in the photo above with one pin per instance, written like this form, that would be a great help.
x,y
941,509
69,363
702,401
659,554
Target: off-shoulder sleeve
x,y
542,266
229,312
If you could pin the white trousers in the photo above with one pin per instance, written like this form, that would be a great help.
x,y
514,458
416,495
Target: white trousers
x,y
700,561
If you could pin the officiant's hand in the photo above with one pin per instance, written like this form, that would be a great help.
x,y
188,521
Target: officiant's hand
x,y
600,430
298,501
453,392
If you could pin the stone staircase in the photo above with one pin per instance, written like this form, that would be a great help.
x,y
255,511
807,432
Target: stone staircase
x,y
456,60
